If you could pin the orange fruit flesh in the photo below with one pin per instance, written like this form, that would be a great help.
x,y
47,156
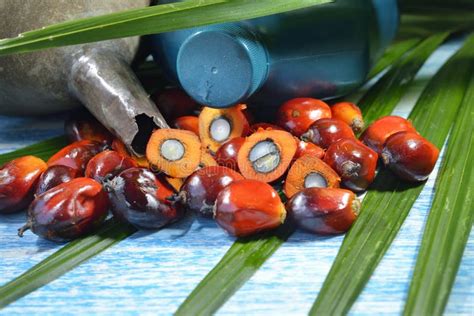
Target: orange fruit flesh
x,y
266,155
312,169
177,153
207,160
216,126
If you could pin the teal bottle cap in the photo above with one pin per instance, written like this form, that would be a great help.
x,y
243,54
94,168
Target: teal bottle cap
x,y
221,66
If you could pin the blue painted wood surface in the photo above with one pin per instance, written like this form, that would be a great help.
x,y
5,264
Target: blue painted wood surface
x,y
152,273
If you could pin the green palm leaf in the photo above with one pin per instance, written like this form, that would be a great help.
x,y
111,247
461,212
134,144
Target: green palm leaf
x,y
450,220
382,98
237,266
149,20
392,54
43,150
386,206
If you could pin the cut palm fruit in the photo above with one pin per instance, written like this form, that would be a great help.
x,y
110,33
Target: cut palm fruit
x,y
310,172
216,126
177,153
266,155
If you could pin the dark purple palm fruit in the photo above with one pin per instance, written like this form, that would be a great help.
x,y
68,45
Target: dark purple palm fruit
x,y
139,197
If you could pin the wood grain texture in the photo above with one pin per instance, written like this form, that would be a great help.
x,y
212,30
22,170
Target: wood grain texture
x,y
152,273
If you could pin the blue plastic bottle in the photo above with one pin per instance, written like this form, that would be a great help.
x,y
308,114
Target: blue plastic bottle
x,y
324,52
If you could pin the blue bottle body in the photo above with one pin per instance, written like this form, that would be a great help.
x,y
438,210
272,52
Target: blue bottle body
x,y
323,52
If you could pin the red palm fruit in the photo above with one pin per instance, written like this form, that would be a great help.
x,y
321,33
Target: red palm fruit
x,y
140,197
297,115
119,147
354,162
173,103
255,127
350,114
199,191
54,176
18,180
76,155
326,131
83,126
227,154
379,131
107,164
324,211
68,211
410,156
247,207
307,148
188,122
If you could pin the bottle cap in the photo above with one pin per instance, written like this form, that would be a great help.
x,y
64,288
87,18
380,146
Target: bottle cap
x,y
221,66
